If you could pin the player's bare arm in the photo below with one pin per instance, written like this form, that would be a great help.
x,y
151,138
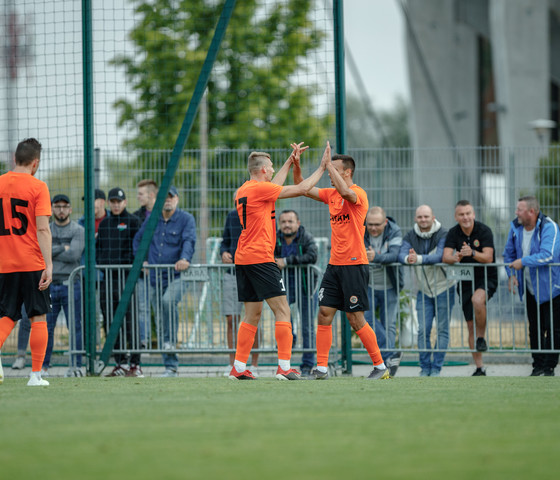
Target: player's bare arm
x,y
44,238
306,185
282,174
326,160
342,182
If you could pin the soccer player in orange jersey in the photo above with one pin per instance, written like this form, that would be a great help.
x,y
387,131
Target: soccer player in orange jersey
x,y
258,276
25,253
344,285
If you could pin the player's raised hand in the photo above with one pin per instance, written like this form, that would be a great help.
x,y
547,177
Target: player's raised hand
x,y
298,149
326,160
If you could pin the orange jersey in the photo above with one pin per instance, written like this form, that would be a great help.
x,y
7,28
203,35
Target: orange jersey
x,y
257,214
347,226
23,198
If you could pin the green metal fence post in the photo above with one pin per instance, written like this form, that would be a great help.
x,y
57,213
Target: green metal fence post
x,y
340,94
89,283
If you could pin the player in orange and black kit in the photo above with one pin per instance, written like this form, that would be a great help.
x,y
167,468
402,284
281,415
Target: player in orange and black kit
x,y
258,276
344,285
25,253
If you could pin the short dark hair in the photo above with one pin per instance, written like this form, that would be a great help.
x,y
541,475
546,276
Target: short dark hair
x,y
462,203
348,162
27,151
289,211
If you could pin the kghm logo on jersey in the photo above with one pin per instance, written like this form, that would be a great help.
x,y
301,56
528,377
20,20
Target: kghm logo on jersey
x,y
340,218
353,299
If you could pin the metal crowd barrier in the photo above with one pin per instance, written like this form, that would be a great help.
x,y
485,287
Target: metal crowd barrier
x,y
200,321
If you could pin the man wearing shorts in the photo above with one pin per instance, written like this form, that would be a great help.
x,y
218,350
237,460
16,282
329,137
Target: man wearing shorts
x,y
345,283
471,241
25,262
258,276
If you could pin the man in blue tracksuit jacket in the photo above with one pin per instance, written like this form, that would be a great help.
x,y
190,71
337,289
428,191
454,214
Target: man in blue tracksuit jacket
x,y
533,244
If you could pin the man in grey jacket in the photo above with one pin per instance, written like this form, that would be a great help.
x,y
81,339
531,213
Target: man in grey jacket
x,y
68,242
383,239
423,247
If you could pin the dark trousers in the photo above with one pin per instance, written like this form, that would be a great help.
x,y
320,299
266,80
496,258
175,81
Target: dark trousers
x,y
110,295
544,334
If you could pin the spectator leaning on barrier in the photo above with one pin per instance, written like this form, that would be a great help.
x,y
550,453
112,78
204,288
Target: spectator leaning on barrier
x,y
423,246
146,192
383,240
114,247
172,244
231,306
533,243
471,241
296,247
68,240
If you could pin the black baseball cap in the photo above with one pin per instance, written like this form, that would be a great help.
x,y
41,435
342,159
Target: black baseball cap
x,y
98,194
173,191
60,198
116,194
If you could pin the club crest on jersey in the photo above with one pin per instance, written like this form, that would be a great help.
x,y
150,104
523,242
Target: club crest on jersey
x,y
353,299
121,227
476,243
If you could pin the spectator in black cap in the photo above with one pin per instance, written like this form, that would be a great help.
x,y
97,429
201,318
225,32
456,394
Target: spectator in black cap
x,y
99,210
114,247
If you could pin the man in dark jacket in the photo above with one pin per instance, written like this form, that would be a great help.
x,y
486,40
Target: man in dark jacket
x,y
383,239
297,248
114,247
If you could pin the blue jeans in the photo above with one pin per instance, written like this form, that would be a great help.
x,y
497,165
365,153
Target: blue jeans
x,y
307,330
386,326
429,308
59,299
144,312
168,318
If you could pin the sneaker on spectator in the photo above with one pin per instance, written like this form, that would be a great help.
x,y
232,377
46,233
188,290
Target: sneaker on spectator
x,y
318,375
118,371
169,373
306,371
537,372
481,345
425,373
44,372
435,373
135,371
479,372
291,374
245,375
19,363
254,370
35,380
74,372
379,374
393,363
548,372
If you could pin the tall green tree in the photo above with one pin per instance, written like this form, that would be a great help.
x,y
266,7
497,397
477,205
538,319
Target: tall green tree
x,y
255,96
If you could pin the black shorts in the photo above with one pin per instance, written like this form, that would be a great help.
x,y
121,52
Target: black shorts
x,y
344,287
258,282
19,288
466,291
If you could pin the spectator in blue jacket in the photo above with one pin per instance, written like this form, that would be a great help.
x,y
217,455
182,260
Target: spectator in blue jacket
x,y
533,244
383,239
173,243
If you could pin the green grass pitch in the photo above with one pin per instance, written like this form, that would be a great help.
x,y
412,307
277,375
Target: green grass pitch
x,y
342,428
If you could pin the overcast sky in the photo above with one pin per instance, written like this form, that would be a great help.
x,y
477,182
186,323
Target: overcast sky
x,y
374,31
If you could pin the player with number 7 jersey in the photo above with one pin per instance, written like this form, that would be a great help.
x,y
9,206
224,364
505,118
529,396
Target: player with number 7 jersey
x,y
258,276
